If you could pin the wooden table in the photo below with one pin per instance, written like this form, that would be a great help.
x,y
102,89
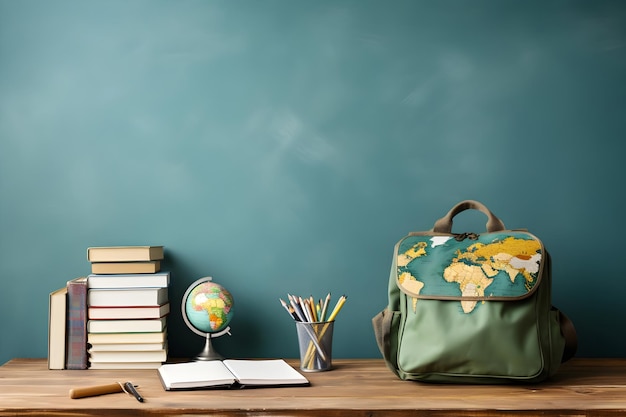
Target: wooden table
x,y
356,387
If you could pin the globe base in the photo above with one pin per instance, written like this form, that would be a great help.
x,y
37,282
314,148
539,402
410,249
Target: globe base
x,y
208,353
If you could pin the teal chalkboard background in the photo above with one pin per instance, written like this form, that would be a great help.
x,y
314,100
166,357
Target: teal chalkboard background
x,y
285,146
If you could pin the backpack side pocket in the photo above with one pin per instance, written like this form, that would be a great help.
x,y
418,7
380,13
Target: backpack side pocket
x,y
385,325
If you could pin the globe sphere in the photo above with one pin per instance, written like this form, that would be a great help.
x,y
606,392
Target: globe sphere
x,y
209,307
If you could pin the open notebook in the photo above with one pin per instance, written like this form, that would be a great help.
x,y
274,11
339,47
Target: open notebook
x,y
229,373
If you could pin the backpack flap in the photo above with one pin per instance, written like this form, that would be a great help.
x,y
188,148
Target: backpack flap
x,y
469,268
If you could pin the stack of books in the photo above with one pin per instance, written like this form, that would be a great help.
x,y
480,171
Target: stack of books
x,y
127,308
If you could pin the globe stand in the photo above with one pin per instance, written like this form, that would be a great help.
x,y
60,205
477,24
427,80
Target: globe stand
x,y
209,353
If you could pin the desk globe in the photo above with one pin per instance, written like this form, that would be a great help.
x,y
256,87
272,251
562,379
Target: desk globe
x,y
207,309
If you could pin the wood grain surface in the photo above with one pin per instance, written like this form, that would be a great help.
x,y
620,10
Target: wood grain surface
x,y
355,387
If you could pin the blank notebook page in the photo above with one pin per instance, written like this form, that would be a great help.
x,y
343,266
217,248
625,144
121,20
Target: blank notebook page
x,y
264,372
195,374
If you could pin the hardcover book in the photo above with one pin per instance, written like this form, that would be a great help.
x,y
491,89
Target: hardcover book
x,y
77,324
128,356
112,313
127,297
57,316
149,267
229,373
125,365
124,253
150,337
126,326
126,347
103,281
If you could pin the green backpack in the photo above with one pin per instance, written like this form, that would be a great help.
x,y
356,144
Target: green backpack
x,y
472,308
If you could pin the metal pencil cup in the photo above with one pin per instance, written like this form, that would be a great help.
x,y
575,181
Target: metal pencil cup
x,y
316,345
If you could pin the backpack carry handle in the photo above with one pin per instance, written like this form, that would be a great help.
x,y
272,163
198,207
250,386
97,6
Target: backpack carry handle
x,y
444,224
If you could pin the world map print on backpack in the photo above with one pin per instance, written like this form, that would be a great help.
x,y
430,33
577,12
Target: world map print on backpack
x,y
472,308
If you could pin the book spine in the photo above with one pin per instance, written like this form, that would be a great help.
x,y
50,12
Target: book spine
x,y
77,325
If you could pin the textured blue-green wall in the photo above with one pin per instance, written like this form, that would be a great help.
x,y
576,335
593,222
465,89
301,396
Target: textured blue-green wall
x,y
285,146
